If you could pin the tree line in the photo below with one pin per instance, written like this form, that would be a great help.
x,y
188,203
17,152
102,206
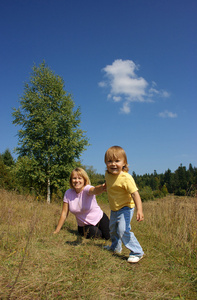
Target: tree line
x,y
181,182
50,143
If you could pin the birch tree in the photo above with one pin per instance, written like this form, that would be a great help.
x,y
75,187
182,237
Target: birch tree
x,y
49,135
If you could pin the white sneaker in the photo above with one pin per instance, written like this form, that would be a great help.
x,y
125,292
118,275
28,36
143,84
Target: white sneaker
x,y
134,259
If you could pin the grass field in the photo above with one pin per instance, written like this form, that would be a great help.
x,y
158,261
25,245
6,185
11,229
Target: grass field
x,y
36,264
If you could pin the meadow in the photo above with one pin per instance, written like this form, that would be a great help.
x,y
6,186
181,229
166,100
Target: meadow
x,y
36,264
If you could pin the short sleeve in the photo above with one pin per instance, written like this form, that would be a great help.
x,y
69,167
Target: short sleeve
x,y
66,196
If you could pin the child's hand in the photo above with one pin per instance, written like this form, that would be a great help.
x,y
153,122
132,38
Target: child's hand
x,y
138,203
140,216
104,187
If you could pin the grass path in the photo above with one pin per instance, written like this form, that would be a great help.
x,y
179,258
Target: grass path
x,y
35,264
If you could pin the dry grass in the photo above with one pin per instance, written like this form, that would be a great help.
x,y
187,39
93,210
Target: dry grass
x,y
35,264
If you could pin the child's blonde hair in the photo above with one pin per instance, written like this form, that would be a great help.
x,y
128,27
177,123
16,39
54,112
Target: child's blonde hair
x,y
115,152
82,173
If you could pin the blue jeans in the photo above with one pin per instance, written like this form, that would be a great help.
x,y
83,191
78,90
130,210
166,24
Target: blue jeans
x,y
120,231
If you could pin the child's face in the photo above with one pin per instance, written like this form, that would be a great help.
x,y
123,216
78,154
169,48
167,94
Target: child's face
x,y
78,182
115,165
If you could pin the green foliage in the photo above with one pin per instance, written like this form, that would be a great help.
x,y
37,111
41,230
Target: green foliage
x,y
164,190
158,194
7,179
146,193
7,158
180,192
50,140
182,181
169,180
26,176
95,178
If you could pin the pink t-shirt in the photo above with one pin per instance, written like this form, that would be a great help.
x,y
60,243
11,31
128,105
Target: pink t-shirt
x,y
83,206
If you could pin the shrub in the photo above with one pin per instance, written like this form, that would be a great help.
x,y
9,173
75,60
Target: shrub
x,y
164,190
146,194
158,194
180,192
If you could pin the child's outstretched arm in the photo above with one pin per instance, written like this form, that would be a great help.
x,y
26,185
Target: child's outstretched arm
x,y
96,190
138,202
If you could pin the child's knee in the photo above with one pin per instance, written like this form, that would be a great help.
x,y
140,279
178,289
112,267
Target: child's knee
x,y
121,231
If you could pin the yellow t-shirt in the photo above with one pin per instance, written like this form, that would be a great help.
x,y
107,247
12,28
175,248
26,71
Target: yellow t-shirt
x,y
119,190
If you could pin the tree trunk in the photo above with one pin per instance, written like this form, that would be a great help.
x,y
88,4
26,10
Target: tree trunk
x,y
48,191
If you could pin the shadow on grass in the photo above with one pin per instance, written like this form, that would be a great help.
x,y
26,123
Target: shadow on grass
x,y
78,240
120,256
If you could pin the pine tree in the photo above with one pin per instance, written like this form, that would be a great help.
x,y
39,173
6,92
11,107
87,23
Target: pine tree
x,y
7,158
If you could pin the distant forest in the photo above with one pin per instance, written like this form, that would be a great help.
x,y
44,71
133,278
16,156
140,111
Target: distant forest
x,y
182,182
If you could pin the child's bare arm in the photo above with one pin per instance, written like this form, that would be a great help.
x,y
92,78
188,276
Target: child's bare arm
x,y
138,202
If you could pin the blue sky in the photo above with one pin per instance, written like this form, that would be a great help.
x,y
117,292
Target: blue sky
x,y
130,65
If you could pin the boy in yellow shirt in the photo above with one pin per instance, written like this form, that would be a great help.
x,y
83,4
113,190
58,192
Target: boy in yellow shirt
x,y
123,197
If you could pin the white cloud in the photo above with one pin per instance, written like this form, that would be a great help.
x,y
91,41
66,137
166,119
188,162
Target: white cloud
x,y
125,108
126,86
117,98
167,114
160,93
102,84
164,94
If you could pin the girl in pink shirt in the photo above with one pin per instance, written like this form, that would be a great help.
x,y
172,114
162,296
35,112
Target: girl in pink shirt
x,y
80,200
